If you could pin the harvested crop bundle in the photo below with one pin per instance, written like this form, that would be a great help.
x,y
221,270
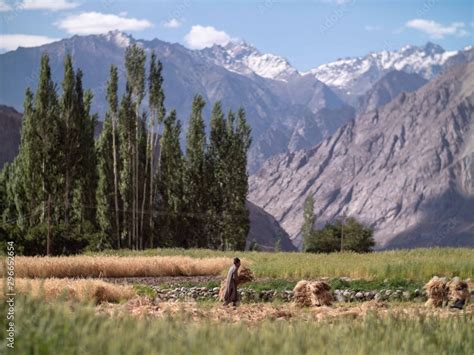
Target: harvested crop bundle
x,y
458,292
245,276
312,293
301,294
320,293
437,290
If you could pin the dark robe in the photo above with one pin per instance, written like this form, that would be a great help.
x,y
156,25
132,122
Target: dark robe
x,y
231,294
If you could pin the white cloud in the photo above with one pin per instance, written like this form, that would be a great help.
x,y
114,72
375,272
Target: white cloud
x,y
12,42
437,30
172,23
372,28
95,22
53,5
205,36
4,7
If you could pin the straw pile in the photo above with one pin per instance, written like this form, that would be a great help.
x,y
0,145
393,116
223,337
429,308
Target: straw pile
x,y
312,293
73,289
437,291
458,291
245,276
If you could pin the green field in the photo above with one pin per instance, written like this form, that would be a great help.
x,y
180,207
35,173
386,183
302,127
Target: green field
x,y
58,328
415,265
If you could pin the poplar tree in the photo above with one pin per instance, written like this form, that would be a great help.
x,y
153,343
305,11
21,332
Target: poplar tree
x,y
127,128
157,114
215,173
44,165
307,230
135,64
195,183
170,185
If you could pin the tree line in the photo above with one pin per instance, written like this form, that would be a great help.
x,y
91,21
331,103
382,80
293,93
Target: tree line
x,y
344,234
133,187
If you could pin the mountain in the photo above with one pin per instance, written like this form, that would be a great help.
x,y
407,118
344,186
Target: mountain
x,y
388,87
406,169
354,76
266,231
236,74
243,58
10,121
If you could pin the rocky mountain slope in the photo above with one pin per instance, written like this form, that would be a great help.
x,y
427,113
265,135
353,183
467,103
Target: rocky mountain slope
x,y
388,87
406,169
10,123
266,231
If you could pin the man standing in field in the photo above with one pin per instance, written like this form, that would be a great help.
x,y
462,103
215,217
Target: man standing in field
x,y
231,282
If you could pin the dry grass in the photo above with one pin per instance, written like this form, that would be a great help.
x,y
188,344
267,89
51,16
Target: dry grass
x,y
458,290
312,293
255,313
437,291
73,290
114,266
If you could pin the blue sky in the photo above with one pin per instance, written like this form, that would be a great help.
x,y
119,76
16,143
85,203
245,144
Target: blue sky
x,y
307,33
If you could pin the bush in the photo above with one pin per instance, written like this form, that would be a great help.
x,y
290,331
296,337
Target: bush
x,y
347,235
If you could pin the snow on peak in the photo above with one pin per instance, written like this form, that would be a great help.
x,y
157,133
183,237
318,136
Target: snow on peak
x,y
358,74
243,58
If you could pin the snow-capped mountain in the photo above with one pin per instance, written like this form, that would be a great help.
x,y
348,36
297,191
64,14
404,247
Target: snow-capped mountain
x,y
243,58
354,76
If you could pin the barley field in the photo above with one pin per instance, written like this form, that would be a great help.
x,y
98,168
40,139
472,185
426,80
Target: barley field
x,y
416,264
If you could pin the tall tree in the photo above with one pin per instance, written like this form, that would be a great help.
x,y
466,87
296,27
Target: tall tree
x,y
215,172
307,230
195,183
135,58
157,114
112,99
127,128
170,185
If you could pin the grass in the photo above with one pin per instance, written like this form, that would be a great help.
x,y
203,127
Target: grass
x,y
114,266
83,290
413,265
56,328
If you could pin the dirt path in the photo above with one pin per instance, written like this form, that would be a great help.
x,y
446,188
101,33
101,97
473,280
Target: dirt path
x,y
157,281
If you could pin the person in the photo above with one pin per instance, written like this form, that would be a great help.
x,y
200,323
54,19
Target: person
x,y
231,282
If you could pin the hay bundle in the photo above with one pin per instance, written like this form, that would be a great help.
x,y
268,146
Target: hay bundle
x,y
312,293
320,293
301,294
458,291
245,276
437,290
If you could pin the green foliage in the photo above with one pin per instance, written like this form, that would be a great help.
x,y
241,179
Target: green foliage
x,y
54,328
195,182
170,186
145,290
308,223
347,234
